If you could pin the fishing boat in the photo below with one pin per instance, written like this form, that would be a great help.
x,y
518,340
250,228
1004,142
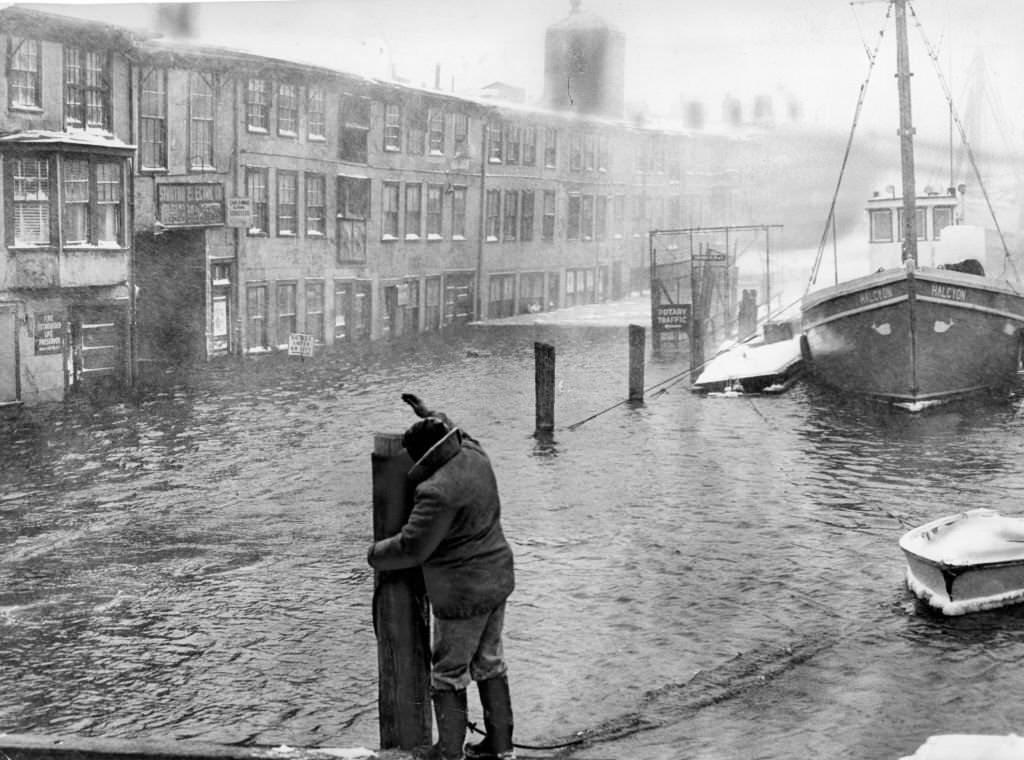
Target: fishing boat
x,y
966,562
917,333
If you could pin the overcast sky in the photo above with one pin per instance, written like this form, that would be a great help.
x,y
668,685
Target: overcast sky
x,y
675,49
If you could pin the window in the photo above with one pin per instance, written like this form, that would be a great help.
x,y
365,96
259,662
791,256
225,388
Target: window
x,y
942,217
413,211
572,229
458,213
416,132
315,310
512,139
602,153
86,89
23,74
493,215
316,120
392,127
435,207
526,216
153,119
93,202
287,109
435,132
287,203
355,129
587,217
389,211
548,220
257,316
257,105
494,147
511,215
315,206
600,217
432,303
619,216
30,179
411,316
353,211
589,148
256,189
287,313
460,134
576,152
550,147
529,146
200,120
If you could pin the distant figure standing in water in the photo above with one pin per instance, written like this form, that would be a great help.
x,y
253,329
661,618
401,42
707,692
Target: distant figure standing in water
x,y
454,533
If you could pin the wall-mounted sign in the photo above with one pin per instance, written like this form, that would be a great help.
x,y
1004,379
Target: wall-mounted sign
x,y
49,332
190,204
239,212
672,316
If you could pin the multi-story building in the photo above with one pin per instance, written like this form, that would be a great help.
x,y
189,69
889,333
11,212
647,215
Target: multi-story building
x,y
168,202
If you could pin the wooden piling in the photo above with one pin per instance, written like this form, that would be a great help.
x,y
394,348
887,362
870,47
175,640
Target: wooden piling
x,y
637,346
400,611
544,382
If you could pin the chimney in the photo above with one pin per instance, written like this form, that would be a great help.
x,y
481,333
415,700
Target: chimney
x,y
175,19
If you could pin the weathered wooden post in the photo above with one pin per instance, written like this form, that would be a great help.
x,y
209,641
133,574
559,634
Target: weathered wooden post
x,y
637,345
544,382
401,614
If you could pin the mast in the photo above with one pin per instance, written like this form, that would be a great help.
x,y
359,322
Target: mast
x,y
906,133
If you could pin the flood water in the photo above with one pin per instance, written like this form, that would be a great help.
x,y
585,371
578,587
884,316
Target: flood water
x,y
721,572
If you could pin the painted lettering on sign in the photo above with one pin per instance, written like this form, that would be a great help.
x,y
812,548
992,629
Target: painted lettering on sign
x,y
948,292
875,295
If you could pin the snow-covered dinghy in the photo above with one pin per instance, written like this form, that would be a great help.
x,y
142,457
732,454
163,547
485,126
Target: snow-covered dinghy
x,y
967,562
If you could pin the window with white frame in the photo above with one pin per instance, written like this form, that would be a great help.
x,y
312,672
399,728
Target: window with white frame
x,y
529,145
575,151
315,205
550,147
86,89
460,134
200,121
619,216
392,127
24,74
353,211
435,132
416,131
492,226
495,149
589,152
458,213
153,118
257,105
548,219
572,227
31,198
587,217
355,129
256,189
389,210
413,210
315,309
257,311
435,211
600,217
509,228
526,208
287,203
602,153
316,119
512,139
287,109
93,195
287,312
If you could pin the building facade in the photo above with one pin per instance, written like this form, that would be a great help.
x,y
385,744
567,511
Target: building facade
x,y
167,203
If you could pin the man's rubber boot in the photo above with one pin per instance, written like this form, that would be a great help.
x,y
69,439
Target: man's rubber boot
x,y
450,712
497,704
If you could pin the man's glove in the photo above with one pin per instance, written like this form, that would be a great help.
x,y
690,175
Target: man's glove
x,y
417,405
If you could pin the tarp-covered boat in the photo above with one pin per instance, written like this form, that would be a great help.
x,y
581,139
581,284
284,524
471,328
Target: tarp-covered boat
x,y
967,562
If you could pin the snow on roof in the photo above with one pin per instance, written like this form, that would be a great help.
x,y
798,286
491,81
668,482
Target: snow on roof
x,y
74,139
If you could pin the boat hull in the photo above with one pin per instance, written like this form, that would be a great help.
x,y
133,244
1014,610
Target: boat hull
x,y
966,563
914,338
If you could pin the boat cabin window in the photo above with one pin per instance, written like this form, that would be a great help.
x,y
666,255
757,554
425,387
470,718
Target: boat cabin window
x,y
919,222
881,225
942,216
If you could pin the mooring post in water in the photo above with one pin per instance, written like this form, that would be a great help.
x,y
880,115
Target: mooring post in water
x,y
401,615
637,344
544,381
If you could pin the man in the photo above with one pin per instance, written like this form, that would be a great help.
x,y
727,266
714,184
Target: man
x,y
454,533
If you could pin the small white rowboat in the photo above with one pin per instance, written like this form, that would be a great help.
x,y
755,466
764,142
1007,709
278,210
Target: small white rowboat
x,y
967,562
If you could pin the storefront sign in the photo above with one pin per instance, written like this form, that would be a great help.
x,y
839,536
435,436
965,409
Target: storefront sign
x,y
239,212
300,344
190,204
49,332
672,316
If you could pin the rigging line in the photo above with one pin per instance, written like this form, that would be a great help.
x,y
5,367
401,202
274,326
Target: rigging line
x,y
967,146
873,58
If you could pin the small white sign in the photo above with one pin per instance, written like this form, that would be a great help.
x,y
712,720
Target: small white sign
x,y
300,344
239,212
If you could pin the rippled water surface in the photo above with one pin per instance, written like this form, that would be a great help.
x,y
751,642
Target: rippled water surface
x,y
722,571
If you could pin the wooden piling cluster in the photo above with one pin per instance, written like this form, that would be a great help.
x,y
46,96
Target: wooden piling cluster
x,y
401,613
